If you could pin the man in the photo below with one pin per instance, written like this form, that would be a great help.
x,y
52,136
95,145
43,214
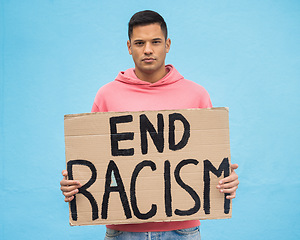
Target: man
x,y
151,85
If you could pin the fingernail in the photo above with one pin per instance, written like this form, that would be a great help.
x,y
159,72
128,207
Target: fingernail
x,y
221,190
220,182
218,186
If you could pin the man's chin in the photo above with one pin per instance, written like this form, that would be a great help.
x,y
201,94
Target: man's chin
x,y
148,69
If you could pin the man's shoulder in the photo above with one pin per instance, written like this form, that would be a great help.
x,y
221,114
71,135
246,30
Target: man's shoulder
x,y
107,87
192,85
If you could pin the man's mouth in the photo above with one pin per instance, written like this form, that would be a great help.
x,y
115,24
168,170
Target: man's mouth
x,y
148,60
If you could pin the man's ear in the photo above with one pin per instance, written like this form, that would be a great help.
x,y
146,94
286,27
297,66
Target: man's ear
x,y
129,46
168,45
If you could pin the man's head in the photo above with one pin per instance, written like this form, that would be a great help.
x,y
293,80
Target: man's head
x,y
145,18
148,45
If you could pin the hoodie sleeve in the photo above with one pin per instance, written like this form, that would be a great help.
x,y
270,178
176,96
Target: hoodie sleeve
x,y
205,101
99,104
95,108
204,98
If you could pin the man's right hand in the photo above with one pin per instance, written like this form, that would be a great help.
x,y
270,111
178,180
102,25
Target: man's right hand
x,y
69,187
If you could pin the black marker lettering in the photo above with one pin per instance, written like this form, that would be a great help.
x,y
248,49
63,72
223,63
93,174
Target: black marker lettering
x,y
135,209
208,167
119,188
187,188
83,190
157,137
168,196
186,134
115,137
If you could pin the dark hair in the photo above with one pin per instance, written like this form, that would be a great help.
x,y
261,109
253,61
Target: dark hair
x,y
147,17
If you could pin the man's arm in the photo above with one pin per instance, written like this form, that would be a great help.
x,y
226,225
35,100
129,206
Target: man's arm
x,y
230,183
69,187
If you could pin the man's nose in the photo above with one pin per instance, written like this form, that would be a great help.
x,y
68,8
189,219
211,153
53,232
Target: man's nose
x,y
148,49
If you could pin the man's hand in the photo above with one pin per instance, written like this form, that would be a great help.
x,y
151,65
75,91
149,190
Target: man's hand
x,y
69,187
230,183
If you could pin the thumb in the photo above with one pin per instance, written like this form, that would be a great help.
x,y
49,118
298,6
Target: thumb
x,y
65,173
234,166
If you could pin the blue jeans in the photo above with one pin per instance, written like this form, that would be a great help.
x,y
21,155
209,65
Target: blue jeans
x,y
186,234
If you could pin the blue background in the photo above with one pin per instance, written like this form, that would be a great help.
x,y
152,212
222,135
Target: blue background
x,y
55,54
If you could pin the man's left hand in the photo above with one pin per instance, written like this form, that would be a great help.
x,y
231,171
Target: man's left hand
x,y
230,183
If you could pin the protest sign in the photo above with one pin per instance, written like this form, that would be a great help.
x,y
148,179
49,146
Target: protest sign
x,y
149,166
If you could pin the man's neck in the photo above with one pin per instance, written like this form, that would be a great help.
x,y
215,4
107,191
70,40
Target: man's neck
x,y
151,77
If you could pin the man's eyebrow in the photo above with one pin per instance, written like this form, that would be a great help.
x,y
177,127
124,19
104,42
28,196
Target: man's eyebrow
x,y
156,39
138,40
141,40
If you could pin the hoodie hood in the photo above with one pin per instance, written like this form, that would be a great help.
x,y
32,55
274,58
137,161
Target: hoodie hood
x,y
129,77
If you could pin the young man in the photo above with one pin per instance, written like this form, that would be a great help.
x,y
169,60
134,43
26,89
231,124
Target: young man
x,y
151,85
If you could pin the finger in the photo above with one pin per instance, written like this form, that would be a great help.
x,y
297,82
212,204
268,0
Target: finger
x,y
68,188
65,182
229,185
70,194
233,176
231,196
234,166
228,190
69,199
65,174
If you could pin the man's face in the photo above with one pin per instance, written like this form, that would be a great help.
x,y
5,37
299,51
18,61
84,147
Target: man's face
x,y
148,48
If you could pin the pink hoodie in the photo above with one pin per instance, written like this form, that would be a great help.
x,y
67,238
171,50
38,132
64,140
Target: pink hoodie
x,y
128,93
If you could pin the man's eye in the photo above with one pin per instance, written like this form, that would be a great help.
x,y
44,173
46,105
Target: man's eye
x,y
139,43
156,42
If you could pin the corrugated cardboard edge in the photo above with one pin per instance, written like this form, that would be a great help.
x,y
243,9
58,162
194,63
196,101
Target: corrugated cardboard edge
x,y
67,116
70,116
177,220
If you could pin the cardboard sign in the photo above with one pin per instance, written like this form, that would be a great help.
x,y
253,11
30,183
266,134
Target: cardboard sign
x,y
149,166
